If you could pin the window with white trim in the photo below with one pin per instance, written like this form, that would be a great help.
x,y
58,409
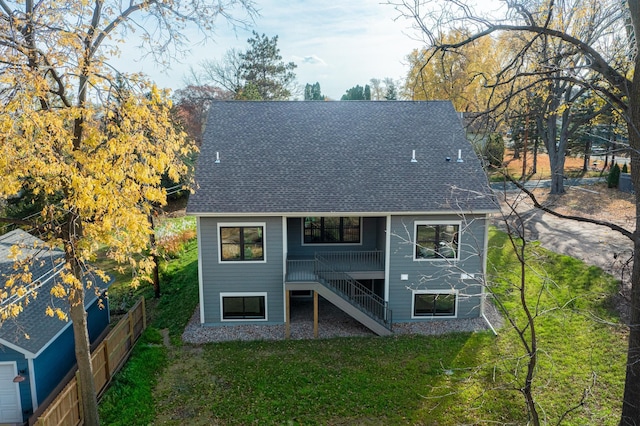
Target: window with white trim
x,y
436,240
242,243
434,304
243,306
332,230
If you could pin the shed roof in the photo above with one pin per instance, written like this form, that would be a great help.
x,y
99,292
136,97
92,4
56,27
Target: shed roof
x,y
337,157
44,264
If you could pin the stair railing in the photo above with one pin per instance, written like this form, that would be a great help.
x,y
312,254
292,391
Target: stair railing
x,y
353,291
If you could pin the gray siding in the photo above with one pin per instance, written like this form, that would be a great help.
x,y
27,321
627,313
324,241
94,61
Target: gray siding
x,y
232,277
436,275
372,239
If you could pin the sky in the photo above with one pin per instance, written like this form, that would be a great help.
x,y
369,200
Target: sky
x,y
338,43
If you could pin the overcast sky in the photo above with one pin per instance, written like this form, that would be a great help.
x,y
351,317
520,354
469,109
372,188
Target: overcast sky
x,y
337,43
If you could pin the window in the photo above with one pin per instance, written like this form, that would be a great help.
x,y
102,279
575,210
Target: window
x,y
331,230
436,241
243,306
241,243
434,304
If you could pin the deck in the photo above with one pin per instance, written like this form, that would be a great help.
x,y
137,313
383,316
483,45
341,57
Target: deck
x,y
358,264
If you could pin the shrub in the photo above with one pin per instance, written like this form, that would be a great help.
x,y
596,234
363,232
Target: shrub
x,y
625,169
494,150
614,176
171,246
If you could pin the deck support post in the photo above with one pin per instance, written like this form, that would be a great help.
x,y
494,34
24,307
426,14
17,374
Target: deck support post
x,y
287,323
315,314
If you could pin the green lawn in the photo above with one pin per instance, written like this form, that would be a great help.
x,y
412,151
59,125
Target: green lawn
x,y
447,380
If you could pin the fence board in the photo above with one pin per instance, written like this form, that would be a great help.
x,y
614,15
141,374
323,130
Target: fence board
x,y
99,363
106,359
65,409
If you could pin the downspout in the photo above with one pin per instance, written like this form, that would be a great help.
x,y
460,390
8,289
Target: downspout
x,y
200,274
495,333
387,257
285,254
484,275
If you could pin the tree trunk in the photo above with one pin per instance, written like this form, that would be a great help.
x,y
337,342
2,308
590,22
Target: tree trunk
x,y
631,399
86,384
587,156
154,254
556,161
532,348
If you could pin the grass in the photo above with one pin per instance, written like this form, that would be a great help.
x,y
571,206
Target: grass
x,y
129,400
343,381
455,379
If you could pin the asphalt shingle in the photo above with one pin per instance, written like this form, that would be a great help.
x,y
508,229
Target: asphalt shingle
x,y
335,157
43,262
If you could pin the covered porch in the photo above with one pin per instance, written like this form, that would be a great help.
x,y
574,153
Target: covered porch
x,y
353,281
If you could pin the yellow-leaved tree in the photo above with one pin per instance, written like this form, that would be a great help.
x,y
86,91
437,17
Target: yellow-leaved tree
x,y
464,78
91,142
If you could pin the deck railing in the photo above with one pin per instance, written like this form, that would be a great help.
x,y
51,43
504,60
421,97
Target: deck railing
x,y
301,270
348,261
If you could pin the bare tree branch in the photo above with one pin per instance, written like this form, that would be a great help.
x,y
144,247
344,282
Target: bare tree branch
x,y
536,203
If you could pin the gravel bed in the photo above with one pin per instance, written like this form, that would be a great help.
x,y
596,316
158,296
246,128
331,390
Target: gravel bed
x,y
332,322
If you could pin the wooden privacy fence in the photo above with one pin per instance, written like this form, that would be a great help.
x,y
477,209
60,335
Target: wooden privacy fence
x,y
107,359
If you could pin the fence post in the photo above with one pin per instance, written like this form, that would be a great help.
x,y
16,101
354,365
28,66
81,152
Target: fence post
x,y
107,366
130,317
144,314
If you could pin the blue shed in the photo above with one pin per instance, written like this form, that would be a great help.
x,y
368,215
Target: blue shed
x,y
37,351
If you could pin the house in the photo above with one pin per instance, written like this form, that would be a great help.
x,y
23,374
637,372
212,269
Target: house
x,y
37,351
379,207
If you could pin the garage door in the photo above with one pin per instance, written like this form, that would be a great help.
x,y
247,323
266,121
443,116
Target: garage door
x,y
10,409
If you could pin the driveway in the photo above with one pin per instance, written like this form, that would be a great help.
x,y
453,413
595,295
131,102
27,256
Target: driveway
x,y
593,244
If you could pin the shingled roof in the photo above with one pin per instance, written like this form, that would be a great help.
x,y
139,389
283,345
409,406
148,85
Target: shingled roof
x,y
44,265
337,157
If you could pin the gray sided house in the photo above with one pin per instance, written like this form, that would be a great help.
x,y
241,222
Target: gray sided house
x,y
379,207
37,351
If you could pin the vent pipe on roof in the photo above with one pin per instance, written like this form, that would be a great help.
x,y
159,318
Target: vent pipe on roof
x,y
460,160
413,156
217,157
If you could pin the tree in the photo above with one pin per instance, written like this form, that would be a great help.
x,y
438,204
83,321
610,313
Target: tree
x,y
98,140
604,64
529,66
357,93
377,91
494,150
390,93
614,176
312,92
226,73
191,106
462,77
383,90
258,73
524,295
